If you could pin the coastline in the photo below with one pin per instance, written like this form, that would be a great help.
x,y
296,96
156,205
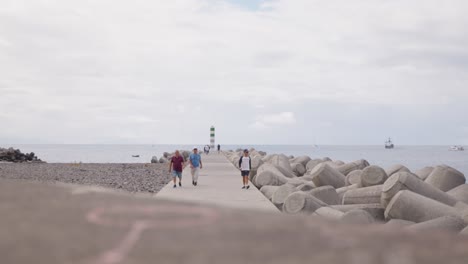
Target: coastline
x,y
131,177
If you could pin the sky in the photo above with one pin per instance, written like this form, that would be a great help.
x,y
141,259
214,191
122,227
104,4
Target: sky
x,y
335,72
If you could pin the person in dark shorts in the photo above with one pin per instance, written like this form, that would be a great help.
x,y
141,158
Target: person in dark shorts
x,y
176,166
245,165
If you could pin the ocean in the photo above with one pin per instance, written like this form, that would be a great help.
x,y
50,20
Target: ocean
x,y
414,157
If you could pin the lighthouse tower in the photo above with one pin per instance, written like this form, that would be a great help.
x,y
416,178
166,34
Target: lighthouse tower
x,y
212,137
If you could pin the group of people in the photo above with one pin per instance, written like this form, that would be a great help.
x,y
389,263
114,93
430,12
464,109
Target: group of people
x,y
207,149
177,164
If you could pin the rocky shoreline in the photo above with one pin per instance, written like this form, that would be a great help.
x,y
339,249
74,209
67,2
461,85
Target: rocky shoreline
x,y
16,156
129,177
432,198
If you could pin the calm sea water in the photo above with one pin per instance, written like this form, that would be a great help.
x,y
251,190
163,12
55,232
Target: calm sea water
x,y
414,157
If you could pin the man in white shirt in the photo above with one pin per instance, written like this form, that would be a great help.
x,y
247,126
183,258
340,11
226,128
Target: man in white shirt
x,y
245,165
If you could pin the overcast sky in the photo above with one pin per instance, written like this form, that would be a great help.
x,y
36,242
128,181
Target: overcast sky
x,y
262,72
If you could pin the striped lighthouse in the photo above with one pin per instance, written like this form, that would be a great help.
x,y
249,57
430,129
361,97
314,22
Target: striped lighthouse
x,y
212,137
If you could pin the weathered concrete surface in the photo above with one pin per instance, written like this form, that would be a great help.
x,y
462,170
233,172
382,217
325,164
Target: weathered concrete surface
x,y
366,195
373,175
460,193
50,224
445,178
323,174
219,184
447,223
375,210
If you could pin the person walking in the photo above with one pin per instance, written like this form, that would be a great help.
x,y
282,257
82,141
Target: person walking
x,y
207,149
195,165
245,165
219,148
176,166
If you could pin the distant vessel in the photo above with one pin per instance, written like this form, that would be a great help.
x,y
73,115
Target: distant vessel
x,y
456,148
389,144
136,156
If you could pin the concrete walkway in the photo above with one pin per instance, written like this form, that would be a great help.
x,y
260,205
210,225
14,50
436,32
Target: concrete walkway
x,y
219,184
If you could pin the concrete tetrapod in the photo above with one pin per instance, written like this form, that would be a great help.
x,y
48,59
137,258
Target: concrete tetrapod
x,y
306,187
424,172
396,168
375,210
345,169
341,191
357,216
414,207
328,213
269,190
398,223
324,174
445,178
301,202
268,174
408,181
298,169
464,231
366,195
373,175
460,193
326,194
281,162
448,223
312,163
281,194
354,177
301,159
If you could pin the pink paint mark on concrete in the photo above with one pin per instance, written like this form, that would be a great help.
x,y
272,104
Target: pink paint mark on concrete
x,y
145,217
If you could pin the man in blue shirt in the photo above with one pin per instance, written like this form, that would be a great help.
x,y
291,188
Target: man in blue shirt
x,y
195,165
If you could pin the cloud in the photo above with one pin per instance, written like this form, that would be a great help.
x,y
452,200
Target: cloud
x,y
284,118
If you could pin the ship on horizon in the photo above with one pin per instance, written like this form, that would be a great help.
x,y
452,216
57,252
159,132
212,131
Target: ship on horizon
x,y
389,144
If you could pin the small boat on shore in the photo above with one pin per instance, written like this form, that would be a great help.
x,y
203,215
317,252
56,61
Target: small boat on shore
x,y
389,144
456,148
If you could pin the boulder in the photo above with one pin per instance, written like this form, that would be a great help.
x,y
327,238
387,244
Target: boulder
x,y
268,174
256,162
302,160
312,163
328,213
396,168
163,160
306,187
282,163
366,195
375,210
408,181
280,195
373,175
341,191
301,202
154,159
445,178
323,175
414,207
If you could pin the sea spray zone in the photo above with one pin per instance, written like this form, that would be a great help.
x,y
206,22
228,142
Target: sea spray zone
x,y
432,198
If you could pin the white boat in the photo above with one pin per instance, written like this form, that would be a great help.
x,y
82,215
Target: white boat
x,y
457,148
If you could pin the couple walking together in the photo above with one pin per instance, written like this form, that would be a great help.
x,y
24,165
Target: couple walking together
x,y
176,166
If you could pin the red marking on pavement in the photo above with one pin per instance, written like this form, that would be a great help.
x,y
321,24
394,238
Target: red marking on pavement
x,y
183,217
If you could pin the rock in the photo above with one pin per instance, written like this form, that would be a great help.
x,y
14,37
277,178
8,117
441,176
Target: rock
x,y
341,191
163,160
298,169
373,175
15,155
408,181
366,195
154,159
256,162
268,174
446,223
338,163
424,172
396,168
328,213
282,163
445,178
414,207
326,194
301,202
268,191
460,193
262,153
282,193
354,177
167,155
185,154
357,216
323,175
345,169
375,210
